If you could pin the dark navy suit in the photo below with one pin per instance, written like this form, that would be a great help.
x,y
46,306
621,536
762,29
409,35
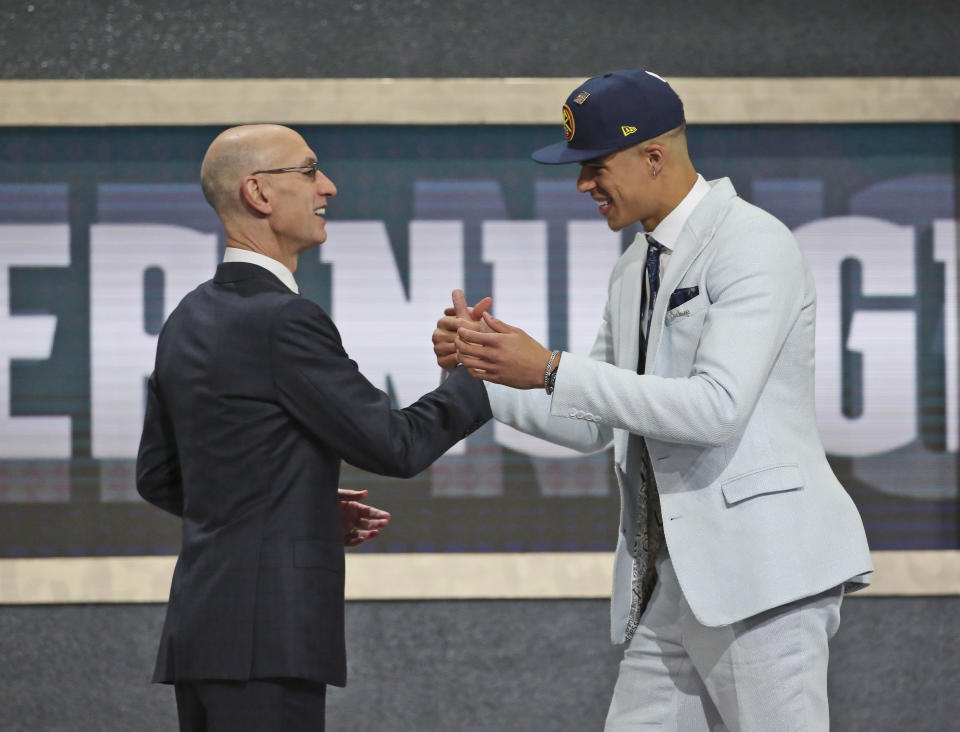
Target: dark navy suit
x,y
251,408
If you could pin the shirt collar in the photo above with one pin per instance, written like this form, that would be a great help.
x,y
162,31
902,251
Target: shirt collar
x,y
233,254
668,230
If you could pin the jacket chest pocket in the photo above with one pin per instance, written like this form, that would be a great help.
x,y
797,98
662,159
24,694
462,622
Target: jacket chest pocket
x,y
683,326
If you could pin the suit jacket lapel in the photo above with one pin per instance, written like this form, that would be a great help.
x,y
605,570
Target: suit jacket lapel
x,y
697,233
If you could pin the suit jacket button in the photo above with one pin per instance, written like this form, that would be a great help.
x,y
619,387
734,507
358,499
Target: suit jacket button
x,y
573,412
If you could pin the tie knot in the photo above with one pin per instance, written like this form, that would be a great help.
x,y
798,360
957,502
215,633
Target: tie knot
x,y
653,244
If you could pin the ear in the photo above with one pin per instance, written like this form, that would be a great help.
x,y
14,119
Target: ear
x,y
655,155
254,195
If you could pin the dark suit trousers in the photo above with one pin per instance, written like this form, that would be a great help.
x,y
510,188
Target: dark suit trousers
x,y
264,705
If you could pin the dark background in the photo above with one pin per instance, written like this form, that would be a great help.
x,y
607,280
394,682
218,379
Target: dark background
x,y
468,666
93,39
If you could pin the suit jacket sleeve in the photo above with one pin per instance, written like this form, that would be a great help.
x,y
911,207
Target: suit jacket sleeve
x,y
528,410
323,389
755,285
158,466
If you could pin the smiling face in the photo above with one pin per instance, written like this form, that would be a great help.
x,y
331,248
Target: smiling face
x,y
298,198
624,186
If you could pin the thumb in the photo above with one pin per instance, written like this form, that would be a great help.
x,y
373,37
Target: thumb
x,y
497,326
345,494
481,307
460,304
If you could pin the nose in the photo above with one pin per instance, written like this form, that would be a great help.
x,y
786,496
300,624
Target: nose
x,y
585,182
325,186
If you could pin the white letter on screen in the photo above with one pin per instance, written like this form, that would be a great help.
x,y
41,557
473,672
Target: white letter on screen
x,y
29,337
384,331
592,252
121,351
885,338
518,252
945,250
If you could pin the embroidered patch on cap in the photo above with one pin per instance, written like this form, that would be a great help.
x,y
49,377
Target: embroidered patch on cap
x,y
568,123
581,97
627,130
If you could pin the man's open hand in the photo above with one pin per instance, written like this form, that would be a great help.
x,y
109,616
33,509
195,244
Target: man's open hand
x,y
359,521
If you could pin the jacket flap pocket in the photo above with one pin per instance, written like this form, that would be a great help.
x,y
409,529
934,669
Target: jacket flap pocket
x,y
318,553
777,479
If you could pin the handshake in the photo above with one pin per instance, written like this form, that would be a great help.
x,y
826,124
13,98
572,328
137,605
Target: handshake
x,y
488,348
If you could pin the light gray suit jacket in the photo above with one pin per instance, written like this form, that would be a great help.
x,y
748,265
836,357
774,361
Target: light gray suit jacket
x,y
753,515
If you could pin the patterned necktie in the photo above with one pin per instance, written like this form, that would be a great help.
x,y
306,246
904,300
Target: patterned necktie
x,y
648,537
653,276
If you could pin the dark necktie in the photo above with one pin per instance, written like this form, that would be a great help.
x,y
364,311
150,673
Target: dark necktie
x,y
648,537
653,281
653,276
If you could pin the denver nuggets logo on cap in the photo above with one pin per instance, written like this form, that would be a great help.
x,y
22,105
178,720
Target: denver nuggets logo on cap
x,y
568,124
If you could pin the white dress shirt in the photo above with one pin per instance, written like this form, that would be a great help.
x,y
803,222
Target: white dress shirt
x,y
668,230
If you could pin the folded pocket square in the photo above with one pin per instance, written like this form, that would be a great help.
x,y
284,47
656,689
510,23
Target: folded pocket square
x,y
681,295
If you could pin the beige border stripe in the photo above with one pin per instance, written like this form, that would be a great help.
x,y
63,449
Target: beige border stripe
x,y
533,575
458,101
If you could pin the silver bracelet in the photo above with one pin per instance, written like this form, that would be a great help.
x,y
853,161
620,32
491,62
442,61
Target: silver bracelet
x,y
547,384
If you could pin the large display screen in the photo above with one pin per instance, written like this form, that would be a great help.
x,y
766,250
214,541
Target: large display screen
x,y
102,231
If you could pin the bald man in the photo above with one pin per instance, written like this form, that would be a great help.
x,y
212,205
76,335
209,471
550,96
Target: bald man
x,y
736,540
251,408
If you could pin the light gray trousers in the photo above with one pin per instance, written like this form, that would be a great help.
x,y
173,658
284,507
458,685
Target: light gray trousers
x,y
768,672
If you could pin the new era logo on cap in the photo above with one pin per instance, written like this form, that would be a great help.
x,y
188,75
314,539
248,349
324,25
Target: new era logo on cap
x,y
613,111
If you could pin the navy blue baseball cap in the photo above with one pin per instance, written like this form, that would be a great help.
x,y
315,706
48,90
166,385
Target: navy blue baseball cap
x,y
610,112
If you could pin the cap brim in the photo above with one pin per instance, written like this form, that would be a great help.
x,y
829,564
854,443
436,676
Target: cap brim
x,y
561,152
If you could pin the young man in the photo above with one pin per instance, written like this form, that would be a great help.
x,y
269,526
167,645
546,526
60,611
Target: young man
x,y
736,540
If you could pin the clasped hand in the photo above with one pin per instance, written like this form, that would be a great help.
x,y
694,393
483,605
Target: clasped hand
x,y
489,348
